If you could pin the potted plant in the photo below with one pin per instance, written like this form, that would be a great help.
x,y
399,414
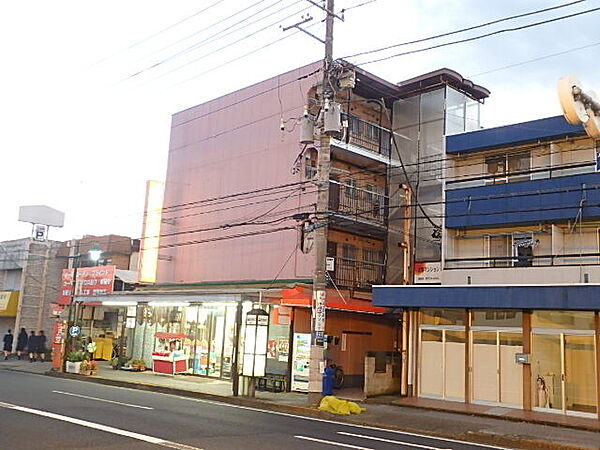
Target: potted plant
x,y
74,360
138,364
93,367
85,367
117,362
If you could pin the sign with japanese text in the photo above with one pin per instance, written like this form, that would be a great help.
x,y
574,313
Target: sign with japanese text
x,y
428,273
91,281
4,298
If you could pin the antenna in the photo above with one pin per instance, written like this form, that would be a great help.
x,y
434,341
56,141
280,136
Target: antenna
x,y
579,107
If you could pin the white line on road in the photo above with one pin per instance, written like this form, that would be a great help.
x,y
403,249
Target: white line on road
x,y
315,419
408,444
100,427
337,444
103,400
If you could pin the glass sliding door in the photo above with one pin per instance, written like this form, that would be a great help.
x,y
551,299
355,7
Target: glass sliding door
x,y
485,366
442,372
454,365
432,373
547,371
511,373
564,369
580,374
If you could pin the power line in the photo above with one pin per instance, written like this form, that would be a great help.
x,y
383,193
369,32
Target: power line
x,y
242,56
185,19
203,42
462,30
529,61
211,26
481,36
227,46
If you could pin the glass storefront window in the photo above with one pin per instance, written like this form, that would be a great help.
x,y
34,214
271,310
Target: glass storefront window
x,y
430,316
567,320
497,318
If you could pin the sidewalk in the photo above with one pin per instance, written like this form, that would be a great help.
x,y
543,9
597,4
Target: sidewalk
x,y
411,415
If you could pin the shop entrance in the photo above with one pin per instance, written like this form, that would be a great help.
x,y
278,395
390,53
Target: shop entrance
x,y
211,329
564,372
496,377
442,365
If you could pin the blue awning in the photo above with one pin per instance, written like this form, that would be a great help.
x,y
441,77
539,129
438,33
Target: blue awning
x,y
560,297
538,130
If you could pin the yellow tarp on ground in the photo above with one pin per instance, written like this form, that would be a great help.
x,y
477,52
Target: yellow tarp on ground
x,y
338,406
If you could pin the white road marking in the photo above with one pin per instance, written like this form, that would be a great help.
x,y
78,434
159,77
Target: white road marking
x,y
337,444
344,424
102,400
100,427
314,419
409,444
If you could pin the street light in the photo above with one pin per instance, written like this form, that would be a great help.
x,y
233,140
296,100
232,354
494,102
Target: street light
x,y
95,253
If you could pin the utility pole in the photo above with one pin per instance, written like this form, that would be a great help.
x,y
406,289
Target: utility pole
x,y
327,107
317,362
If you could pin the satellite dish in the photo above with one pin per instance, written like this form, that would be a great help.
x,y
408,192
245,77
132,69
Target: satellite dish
x,y
592,126
574,111
579,107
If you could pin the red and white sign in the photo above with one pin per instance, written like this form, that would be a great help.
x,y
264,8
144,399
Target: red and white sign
x,y
428,273
91,281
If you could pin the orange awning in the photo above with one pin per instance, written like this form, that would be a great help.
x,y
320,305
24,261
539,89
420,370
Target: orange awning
x,y
302,297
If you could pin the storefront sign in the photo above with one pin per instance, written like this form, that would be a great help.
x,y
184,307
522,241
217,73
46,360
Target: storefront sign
x,y
428,273
58,339
56,310
91,281
4,298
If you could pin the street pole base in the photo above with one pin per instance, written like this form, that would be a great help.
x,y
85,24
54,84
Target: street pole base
x,y
314,399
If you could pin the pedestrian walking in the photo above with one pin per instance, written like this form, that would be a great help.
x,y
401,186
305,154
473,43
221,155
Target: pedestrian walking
x,y
41,350
22,340
8,343
32,345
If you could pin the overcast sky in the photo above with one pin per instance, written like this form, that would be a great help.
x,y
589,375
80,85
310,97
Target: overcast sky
x,y
81,132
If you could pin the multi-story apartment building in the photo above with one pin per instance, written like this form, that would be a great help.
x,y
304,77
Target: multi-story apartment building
x,y
240,206
515,321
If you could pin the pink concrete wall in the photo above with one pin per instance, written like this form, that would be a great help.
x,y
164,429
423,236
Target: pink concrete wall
x,y
231,145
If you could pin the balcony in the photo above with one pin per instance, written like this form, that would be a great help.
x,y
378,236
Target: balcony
x,y
552,200
357,275
359,209
366,139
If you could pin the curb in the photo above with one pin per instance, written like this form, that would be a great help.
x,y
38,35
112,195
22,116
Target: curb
x,y
480,438
490,416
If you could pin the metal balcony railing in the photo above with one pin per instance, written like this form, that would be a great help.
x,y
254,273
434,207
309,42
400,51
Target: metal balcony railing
x,y
368,135
356,274
359,203
571,259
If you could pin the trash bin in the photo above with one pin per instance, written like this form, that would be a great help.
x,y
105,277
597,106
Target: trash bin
x,y
328,381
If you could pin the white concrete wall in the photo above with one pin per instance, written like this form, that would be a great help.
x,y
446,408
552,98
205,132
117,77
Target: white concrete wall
x,y
522,275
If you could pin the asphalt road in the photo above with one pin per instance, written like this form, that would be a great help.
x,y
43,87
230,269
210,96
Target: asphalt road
x,y
38,412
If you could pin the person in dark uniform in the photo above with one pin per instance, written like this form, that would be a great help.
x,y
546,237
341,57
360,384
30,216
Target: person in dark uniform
x,y
41,350
8,342
21,342
32,345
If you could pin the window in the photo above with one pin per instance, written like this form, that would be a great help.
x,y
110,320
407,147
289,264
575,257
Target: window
x,y
508,167
523,244
373,256
349,252
498,250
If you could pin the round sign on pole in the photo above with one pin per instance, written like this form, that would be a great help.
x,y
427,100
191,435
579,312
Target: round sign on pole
x,y
74,330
